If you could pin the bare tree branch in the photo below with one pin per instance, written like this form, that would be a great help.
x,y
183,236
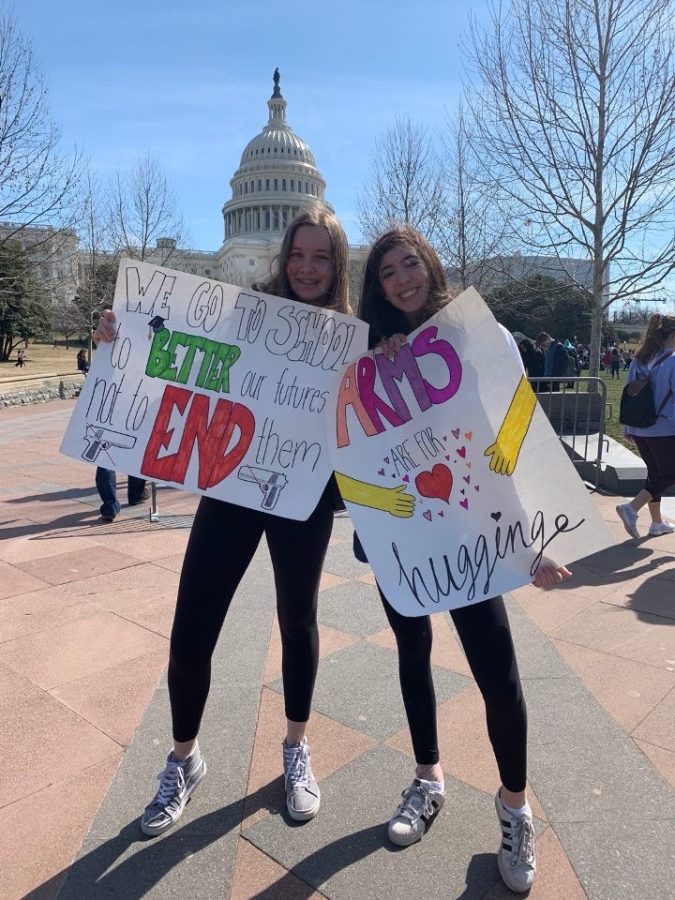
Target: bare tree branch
x,y
574,105
405,186
38,183
142,213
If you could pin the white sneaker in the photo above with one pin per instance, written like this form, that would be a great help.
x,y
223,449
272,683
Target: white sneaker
x,y
419,806
176,784
515,857
629,518
657,528
303,797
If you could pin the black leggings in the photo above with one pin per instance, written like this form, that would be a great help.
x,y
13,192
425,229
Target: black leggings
x,y
484,631
222,543
658,454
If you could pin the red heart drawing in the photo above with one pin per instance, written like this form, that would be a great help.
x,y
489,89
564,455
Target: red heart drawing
x,y
461,451
427,514
455,433
437,483
464,503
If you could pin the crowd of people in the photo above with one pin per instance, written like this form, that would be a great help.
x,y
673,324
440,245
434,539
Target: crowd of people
x,y
546,356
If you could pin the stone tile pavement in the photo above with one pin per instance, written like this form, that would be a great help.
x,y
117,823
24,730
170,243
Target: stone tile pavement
x,y
85,613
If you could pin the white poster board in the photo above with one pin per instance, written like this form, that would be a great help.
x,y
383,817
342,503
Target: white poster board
x,y
456,483
215,389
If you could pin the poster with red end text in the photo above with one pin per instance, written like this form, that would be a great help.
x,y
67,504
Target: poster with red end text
x,y
215,389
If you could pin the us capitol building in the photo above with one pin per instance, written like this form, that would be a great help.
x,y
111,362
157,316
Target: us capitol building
x,y
277,178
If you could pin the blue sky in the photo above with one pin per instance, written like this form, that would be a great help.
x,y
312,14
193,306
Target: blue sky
x,y
189,83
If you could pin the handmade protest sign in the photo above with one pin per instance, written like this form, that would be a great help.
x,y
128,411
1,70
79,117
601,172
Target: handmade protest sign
x,y
484,492
215,389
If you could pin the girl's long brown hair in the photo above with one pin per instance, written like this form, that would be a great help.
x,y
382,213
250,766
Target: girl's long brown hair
x,y
374,308
321,216
659,329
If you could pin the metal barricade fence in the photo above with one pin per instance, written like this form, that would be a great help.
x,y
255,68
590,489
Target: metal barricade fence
x,y
576,408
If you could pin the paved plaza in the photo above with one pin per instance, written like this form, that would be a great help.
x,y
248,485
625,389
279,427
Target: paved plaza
x,y
85,614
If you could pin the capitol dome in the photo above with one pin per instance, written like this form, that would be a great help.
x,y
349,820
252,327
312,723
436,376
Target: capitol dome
x,y
276,179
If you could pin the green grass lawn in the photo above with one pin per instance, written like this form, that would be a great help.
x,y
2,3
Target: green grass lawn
x,y
42,359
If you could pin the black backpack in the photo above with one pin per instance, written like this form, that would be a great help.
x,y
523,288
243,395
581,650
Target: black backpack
x,y
637,408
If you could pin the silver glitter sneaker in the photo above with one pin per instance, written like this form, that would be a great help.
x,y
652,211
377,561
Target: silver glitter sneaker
x,y
516,859
418,807
303,797
176,784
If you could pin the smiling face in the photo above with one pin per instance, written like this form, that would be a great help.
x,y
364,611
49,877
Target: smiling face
x,y
309,269
404,280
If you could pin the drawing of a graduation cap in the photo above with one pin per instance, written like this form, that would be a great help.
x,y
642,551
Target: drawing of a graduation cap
x,y
155,324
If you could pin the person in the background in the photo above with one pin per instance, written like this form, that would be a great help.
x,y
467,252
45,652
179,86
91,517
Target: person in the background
x,y
533,358
20,359
656,445
615,361
106,485
541,344
555,363
82,362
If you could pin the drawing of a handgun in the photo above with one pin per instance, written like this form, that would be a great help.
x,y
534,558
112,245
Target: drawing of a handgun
x,y
270,483
99,439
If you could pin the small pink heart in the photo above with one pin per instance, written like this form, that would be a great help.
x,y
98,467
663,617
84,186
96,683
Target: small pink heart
x,y
468,465
386,459
427,514
406,478
380,471
455,433
476,487
464,503
441,513
461,451
468,435
467,478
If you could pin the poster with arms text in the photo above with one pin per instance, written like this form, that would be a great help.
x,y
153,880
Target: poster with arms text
x,y
457,485
214,389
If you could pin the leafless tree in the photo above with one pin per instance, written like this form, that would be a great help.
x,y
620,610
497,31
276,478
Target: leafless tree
x,y
38,182
472,237
574,101
405,185
142,213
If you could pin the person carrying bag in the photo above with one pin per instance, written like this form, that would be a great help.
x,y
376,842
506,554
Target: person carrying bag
x,y
647,413
638,409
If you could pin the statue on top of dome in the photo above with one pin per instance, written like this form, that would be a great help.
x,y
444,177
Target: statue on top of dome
x,y
276,78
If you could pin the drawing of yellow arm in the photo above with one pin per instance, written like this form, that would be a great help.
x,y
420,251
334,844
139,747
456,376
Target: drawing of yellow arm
x,y
392,500
506,448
